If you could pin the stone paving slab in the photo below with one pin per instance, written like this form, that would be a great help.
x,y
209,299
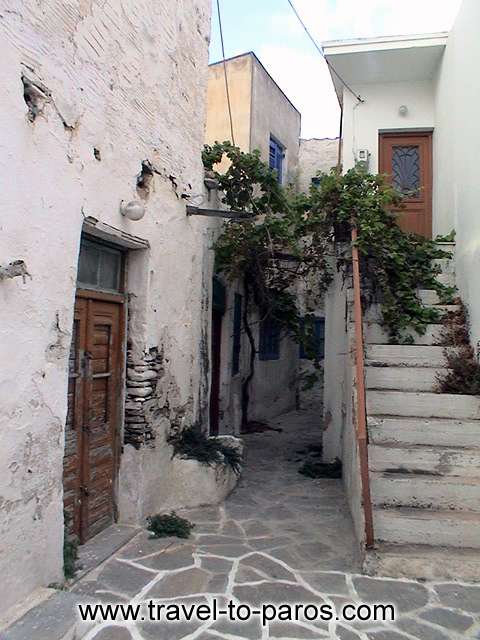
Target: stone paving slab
x,y
50,620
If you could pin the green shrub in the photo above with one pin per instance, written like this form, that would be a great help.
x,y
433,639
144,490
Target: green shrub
x,y
169,525
312,469
70,555
193,444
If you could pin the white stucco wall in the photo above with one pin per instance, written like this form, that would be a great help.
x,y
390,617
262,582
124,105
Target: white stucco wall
x,y
457,143
128,78
315,155
363,121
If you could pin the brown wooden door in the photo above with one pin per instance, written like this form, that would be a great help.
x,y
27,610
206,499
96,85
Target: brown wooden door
x,y
91,438
407,159
217,318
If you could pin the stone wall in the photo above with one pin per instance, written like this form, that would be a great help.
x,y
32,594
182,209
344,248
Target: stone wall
x,y
316,154
91,92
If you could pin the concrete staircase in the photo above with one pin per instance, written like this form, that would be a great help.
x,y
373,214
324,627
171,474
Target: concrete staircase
x,y
424,457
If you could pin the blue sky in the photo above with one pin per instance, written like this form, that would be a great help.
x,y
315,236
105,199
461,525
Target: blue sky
x,y
270,28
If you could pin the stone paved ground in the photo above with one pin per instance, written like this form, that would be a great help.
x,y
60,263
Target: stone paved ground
x,y
279,538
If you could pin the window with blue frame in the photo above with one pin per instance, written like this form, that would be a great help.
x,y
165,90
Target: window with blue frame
x,y
316,328
269,347
237,333
277,153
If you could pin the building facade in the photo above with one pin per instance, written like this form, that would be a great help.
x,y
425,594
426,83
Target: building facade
x,y
263,118
105,322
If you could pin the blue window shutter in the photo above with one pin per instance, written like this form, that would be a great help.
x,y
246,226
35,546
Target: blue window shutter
x,y
318,342
269,347
276,158
237,333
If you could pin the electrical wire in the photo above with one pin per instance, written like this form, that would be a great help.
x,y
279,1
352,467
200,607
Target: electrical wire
x,y
320,51
225,72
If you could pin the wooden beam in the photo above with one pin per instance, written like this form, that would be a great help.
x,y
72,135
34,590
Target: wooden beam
x,y
218,213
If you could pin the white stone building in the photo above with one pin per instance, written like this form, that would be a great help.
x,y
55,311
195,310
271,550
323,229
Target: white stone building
x,y
410,111
101,103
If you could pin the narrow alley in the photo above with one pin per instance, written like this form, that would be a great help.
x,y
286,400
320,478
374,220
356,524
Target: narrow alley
x,y
279,538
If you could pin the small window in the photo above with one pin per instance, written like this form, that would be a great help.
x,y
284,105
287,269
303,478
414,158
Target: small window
x,y
99,267
316,180
277,153
316,349
269,340
237,333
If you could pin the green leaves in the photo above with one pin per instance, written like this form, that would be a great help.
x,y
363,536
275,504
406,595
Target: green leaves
x,y
291,238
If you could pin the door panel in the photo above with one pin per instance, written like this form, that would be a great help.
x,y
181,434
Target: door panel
x,y
74,423
217,318
93,410
407,159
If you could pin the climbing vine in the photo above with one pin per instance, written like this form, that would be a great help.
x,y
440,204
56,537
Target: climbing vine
x,y
283,239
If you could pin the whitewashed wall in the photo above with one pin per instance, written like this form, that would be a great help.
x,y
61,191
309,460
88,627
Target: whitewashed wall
x,y
363,121
456,150
129,78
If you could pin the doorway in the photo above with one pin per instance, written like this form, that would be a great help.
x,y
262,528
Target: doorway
x,y
92,433
218,310
407,159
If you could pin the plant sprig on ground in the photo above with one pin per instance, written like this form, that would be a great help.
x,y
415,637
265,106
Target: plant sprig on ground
x,y
169,525
193,444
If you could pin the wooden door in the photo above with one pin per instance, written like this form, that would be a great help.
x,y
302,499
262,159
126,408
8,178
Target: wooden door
x,y
91,438
407,159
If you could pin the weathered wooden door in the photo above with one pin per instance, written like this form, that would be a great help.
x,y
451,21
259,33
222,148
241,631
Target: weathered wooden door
x,y
407,159
91,438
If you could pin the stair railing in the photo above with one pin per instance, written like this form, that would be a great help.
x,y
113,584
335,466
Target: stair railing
x,y
361,408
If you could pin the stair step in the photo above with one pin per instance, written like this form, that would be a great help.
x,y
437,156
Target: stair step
x,y
447,265
442,432
423,562
443,309
405,525
428,461
423,404
375,334
421,491
448,279
403,378
429,297
406,355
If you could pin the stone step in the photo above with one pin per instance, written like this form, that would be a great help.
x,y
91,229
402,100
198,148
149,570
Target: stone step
x,y
405,355
448,279
375,334
424,562
442,432
429,297
425,492
405,525
447,265
423,405
403,378
429,461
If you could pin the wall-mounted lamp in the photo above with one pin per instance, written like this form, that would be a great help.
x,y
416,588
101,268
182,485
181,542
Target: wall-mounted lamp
x,y
133,210
403,110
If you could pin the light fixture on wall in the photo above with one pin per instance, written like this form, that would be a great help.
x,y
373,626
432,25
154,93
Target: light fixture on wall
x,y
403,110
133,210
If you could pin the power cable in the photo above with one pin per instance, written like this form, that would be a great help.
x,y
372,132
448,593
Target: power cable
x,y
320,51
225,72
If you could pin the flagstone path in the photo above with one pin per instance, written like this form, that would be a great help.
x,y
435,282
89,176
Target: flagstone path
x,y
280,537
